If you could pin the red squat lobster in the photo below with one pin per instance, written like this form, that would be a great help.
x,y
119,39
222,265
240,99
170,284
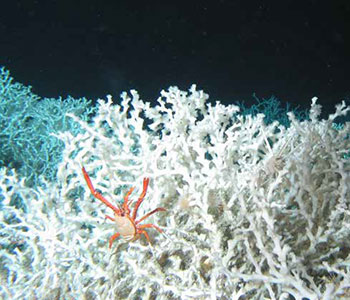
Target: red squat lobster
x,y
127,225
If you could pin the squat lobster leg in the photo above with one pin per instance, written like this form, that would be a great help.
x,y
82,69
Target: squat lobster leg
x,y
112,238
144,232
127,225
141,197
97,195
150,213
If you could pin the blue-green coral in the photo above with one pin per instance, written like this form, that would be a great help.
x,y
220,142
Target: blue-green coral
x,y
273,110
27,123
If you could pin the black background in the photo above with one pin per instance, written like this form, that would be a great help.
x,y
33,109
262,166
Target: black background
x,y
291,49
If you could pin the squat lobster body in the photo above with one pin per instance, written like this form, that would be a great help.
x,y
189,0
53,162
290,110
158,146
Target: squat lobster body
x,y
127,225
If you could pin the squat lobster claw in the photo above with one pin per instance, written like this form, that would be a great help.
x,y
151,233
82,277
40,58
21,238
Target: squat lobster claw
x,y
127,225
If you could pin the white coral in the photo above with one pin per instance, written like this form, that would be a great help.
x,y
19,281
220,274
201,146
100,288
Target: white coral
x,y
254,210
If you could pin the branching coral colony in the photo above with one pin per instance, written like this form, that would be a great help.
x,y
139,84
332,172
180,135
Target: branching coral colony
x,y
255,211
